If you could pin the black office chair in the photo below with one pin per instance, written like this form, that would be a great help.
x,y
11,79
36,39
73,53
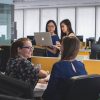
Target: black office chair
x,y
85,88
80,88
5,97
4,56
13,87
95,51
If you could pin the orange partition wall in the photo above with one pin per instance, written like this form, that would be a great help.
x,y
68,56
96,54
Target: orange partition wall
x,y
46,62
84,52
92,66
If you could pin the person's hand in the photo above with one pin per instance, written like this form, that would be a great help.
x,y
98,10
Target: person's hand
x,y
43,73
58,43
57,46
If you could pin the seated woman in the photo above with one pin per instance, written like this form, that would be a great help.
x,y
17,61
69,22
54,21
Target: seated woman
x,y
19,67
66,68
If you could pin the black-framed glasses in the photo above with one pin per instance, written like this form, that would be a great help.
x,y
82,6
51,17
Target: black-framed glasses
x,y
28,47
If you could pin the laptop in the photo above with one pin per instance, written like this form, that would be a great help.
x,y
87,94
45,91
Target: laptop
x,y
43,38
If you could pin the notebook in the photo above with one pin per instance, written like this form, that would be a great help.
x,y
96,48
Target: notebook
x,y
43,38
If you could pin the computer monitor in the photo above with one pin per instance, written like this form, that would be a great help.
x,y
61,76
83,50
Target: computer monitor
x,y
98,42
32,39
80,37
95,51
90,41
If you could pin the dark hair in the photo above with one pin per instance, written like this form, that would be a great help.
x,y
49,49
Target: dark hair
x,y
56,32
68,24
71,45
18,43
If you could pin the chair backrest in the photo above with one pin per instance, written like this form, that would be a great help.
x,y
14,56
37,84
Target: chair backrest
x,y
4,56
85,88
13,87
95,51
5,97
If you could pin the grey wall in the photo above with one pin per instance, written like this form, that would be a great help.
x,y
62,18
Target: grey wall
x,y
53,3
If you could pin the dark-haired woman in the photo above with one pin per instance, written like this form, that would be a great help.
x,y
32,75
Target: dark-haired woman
x,y
66,68
66,28
51,27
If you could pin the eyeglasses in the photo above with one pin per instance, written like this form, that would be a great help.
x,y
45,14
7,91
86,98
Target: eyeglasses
x,y
51,26
28,47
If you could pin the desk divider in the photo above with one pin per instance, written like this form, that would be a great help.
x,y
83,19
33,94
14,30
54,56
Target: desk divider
x,y
46,62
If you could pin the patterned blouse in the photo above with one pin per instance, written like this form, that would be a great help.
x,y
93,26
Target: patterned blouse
x,y
22,69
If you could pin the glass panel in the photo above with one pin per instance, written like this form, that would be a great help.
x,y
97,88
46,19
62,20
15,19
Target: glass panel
x,y
85,22
66,13
6,24
6,1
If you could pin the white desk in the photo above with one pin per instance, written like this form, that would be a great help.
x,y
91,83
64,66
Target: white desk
x,y
39,90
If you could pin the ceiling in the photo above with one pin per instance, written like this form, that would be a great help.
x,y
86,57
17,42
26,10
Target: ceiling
x,y
53,3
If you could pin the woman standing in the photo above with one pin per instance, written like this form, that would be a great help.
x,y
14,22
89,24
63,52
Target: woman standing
x,y
66,28
51,27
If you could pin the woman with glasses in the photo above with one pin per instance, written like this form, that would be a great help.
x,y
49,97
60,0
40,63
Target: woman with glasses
x,y
51,27
19,67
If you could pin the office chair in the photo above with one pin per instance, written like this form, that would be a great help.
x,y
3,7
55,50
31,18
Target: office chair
x,y
5,97
86,87
95,51
13,87
4,56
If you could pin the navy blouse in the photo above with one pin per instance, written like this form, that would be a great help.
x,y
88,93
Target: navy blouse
x,y
54,39
62,70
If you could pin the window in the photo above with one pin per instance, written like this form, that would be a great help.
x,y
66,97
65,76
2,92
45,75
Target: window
x,y
31,21
47,14
66,13
98,23
85,22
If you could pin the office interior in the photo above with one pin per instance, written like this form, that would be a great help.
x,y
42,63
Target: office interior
x,y
21,18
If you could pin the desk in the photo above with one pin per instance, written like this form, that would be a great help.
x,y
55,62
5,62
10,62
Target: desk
x,y
39,90
46,62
